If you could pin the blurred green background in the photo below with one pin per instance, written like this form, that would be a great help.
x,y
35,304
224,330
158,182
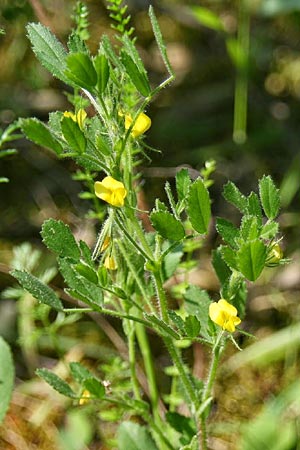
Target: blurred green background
x,y
192,121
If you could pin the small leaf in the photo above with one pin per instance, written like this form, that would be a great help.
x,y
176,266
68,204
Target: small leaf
x,y
249,229
221,268
183,183
177,320
269,196
7,375
73,135
161,326
197,303
198,208
227,230
132,436
48,49
251,259
57,237
39,133
233,195
102,69
140,80
56,382
269,230
159,40
184,425
171,262
229,256
167,226
192,326
207,18
81,70
37,289
79,372
254,208
94,386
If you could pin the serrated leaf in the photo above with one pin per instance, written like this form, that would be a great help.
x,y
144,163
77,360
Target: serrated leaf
x,y
221,268
184,425
177,320
171,262
161,326
73,135
198,206
140,80
227,230
159,40
229,256
132,436
269,197
80,70
57,237
207,18
56,382
197,303
40,291
234,196
94,386
39,133
192,326
7,375
102,69
269,230
254,208
183,183
79,372
167,226
249,229
251,259
48,49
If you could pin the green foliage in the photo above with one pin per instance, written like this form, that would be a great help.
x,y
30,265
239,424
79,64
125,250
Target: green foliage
x,y
102,69
207,18
80,18
80,70
167,226
56,382
8,135
73,135
132,436
198,206
138,78
7,375
269,196
57,237
38,132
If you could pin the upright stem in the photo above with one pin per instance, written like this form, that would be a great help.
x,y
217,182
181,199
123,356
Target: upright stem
x,y
241,84
132,361
161,295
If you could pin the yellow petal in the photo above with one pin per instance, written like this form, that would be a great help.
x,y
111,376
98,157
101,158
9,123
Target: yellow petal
x,y
110,263
70,114
227,307
111,191
215,314
80,117
142,124
224,314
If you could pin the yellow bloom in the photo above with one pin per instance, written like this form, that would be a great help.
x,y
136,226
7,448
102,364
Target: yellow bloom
x,y
85,397
110,263
224,314
79,117
105,244
142,124
111,191
274,256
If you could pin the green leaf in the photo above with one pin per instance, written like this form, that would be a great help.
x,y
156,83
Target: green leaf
x,y
39,133
183,183
79,372
227,230
56,382
221,268
192,326
229,256
102,145
197,303
177,320
94,386
140,80
159,40
80,70
207,18
251,259
254,208
7,375
269,197
171,262
184,425
234,196
132,436
161,326
167,226
269,230
48,49
73,135
57,237
198,206
249,229
37,289
102,69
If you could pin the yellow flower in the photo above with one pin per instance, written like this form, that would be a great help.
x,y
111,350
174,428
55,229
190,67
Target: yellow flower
x,y
84,397
110,263
274,256
105,244
224,314
79,117
142,124
111,191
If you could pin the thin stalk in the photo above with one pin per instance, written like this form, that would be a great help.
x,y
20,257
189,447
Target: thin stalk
x,y
161,295
140,232
132,361
131,239
149,368
160,432
241,84
110,312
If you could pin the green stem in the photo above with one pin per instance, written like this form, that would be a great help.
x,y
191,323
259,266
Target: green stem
x,y
161,295
149,368
132,361
241,85
131,239
140,232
